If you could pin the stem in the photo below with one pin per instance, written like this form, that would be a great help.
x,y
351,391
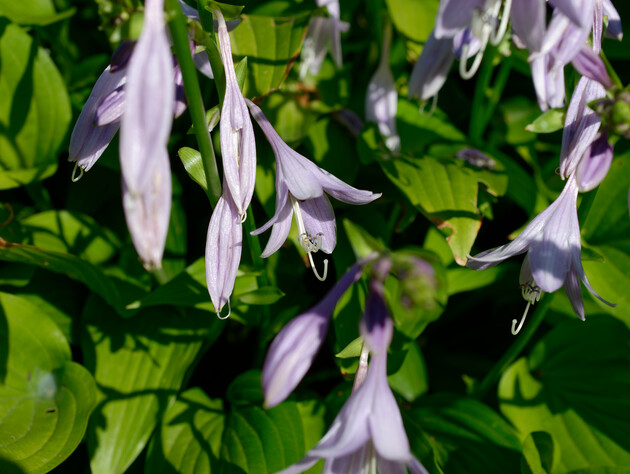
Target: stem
x,y
514,351
586,204
476,128
254,248
179,33
205,16
497,90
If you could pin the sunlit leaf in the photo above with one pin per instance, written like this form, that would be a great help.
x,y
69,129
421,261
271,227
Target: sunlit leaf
x,y
46,398
569,386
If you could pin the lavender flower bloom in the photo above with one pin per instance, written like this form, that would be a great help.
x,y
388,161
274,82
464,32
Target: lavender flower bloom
x,y
238,147
368,432
144,132
552,240
89,141
580,125
300,186
594,165
292,351
223,251
381,101
430,71
323,32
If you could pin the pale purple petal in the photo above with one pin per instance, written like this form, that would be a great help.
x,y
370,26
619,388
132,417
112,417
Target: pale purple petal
x,y
589,63
528,22
223,251
279,231
376,326
430,71
148,211
319,218
454,15
550,253
386,425
344,192
238,147
301,466
415,467
465,38
202,63
594,165
580,126
148,114
110,109
120,58
88,141
572,287
390,467
292,351
381,103
181,103
614,29
579,12
282,200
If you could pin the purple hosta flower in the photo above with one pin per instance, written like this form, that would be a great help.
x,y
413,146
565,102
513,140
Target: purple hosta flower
x,y
238,146
292,351
89,141
323,33
552,243
300,187
594,165
430,71
368,433
381,101
223,251
144,131
580,126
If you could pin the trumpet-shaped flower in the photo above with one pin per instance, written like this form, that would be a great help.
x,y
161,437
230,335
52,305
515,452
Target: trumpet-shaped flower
x,y
293,350
238,146
368,433
323,32
552,243
381,101
300,187
144,131
223,250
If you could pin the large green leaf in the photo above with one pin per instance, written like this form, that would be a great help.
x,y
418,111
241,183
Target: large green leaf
x,y
446,193
465,436
46,398
139,364
198,436
32,12
35,110
271,45
71,232
413,18
573,386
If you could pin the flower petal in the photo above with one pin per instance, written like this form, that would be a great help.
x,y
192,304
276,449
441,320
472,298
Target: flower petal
x,y
454,15
223,250
594,165
319,218
572,287
528,22
148,211
279,231
431,69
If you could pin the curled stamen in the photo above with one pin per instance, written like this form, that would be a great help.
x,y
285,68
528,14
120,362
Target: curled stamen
x,y
243,217
228,313
531,293
463,61
516,330
498,33
431,109
320,278
74,177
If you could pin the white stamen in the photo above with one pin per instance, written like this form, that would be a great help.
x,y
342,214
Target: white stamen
x,y
531,293
463,60
431,109
310,244
228,313
497,35
74,177
243,217
359,376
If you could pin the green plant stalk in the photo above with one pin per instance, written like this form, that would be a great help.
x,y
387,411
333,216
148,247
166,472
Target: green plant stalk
x,y
497,90
205,16
476,128
515,349
179,33
254,247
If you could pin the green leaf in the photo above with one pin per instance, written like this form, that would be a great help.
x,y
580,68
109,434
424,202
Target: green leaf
x,y
467,435
33,12
139,364
413,18
411,379
538,453
271,46
353,349
189,438
36,112
261,296
229,11
73,233
191,159
66,264
46,398
363,244
548,122
445,193
572,387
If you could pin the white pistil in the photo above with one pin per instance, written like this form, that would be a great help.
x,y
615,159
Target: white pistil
x,y
228,313
310,244
531,293
76,178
